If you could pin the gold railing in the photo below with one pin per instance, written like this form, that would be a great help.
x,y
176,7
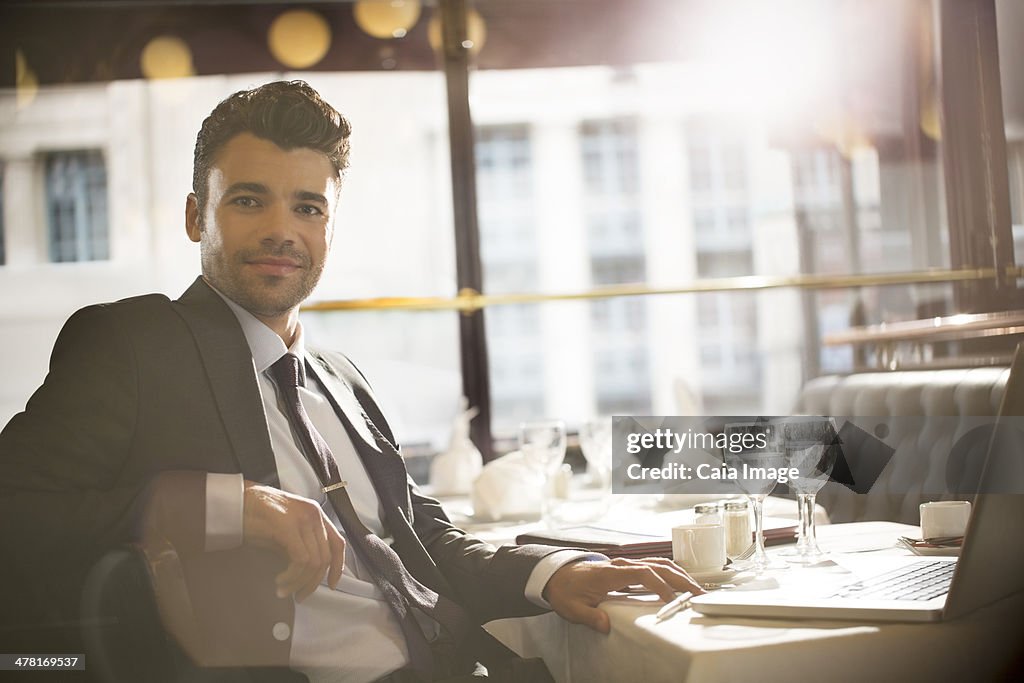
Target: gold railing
x,y
468,300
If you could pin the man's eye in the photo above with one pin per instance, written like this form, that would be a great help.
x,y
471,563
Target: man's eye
x,y
309,210
245,202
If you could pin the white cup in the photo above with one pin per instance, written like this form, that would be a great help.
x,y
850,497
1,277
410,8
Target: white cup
x,y
944,518
699,547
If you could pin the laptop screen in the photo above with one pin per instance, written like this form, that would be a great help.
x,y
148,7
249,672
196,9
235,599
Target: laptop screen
x,y
991,563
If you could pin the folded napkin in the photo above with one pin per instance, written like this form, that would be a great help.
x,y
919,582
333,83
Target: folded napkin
x,y
508,488
452,472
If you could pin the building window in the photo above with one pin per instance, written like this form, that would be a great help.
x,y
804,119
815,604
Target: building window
x,y
610,157
504,165
76,206
719,157
610,152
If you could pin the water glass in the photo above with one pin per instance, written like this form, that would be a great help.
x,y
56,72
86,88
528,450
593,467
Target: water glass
x,y
751,465
811,448
596,444
542,443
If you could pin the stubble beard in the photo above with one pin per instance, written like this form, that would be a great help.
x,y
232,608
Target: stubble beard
x,y
265,296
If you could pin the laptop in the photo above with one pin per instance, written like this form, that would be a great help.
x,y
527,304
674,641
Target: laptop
x,y
990,567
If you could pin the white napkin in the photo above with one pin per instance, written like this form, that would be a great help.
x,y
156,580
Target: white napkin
x,y
508,488
452,472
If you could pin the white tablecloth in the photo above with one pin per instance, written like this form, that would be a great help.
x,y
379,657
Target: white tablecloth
x,y
639,513
692,647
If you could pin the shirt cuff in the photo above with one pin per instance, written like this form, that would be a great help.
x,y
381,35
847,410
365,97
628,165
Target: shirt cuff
x,y
224,499
548,565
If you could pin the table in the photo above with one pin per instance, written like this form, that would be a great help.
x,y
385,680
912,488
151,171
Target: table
x,y
693,647
641,513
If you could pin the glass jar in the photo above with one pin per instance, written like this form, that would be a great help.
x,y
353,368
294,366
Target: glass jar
x,y
707,513
738,530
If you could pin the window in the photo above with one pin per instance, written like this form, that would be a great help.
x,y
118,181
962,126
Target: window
x,y
728,323
705,152
503,162
610,157
76,202
509,256
717,159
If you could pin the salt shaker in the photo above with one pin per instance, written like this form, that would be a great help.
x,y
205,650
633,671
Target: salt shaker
x,y
707,513
738,532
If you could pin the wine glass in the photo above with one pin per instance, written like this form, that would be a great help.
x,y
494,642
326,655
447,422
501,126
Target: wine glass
x,y
753,460
596,444
811,449
542,443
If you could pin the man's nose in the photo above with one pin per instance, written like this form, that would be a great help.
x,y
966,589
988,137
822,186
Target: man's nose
x,y
278,228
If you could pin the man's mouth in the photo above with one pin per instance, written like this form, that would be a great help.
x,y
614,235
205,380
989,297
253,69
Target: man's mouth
x,y
276,266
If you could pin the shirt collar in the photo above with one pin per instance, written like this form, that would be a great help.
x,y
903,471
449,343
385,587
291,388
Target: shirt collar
x,y
266,345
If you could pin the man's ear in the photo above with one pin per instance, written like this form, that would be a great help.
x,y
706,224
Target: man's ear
x,y
193,221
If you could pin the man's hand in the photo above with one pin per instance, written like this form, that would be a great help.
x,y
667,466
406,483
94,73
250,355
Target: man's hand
x,y
575,590
298,527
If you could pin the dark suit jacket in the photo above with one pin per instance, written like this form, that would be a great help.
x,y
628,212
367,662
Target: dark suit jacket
x,y
143,398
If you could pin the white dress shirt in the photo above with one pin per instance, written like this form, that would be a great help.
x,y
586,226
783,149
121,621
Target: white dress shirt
x,y
348,634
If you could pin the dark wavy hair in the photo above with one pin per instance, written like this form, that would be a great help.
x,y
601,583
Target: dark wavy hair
x,y
291,114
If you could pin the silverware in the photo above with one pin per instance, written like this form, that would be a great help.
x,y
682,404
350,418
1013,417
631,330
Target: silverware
x,y
937,542
710,586
746,554
672,608
682,602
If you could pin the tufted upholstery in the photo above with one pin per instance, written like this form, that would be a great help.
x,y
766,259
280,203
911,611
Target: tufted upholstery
x,y
917,470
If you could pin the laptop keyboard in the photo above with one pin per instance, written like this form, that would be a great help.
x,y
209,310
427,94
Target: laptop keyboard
x,y
919,581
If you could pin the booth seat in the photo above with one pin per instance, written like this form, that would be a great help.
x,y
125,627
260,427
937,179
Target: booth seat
x,y
917,471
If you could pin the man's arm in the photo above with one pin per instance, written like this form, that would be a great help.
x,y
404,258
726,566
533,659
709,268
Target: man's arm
x,y
63,497
62,456
492,581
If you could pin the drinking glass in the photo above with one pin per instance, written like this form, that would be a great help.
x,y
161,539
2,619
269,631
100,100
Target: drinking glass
x,y
542,444
810,449
750,466
596,444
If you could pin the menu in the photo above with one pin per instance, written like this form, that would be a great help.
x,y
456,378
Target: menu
x,y
624,543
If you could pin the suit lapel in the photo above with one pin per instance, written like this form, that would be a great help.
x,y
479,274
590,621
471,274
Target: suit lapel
x,y
383,463
382,460
229,367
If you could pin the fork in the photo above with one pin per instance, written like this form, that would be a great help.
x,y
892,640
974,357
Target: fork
x,y
746,554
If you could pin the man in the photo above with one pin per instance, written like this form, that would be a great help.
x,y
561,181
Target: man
x,y
259,476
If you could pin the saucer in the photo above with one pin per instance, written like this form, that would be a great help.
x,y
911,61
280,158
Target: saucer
x,y
931,551
724,575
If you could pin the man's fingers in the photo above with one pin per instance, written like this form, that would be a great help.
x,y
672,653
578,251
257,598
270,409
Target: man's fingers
x,y
589,616
675,575
649,578
597,619
304,555
297,526
298,559
319,557
576,589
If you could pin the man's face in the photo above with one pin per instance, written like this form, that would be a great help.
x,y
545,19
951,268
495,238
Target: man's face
x,y
267,225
